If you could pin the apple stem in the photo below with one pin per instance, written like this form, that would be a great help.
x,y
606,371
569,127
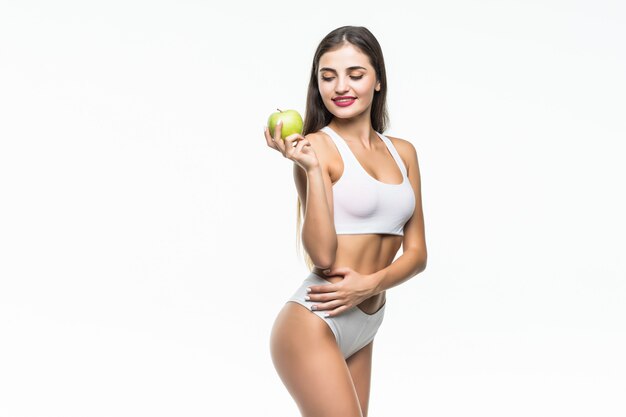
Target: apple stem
x,y
279,110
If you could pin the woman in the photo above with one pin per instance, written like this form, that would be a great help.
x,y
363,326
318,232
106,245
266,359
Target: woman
x,y
361,200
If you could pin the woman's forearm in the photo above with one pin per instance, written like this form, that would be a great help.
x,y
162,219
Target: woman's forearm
x,y
318,229
409,264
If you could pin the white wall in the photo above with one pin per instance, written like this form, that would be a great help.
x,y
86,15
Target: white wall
x,y
147,232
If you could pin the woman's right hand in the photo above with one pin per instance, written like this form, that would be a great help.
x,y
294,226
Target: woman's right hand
x,y
302,153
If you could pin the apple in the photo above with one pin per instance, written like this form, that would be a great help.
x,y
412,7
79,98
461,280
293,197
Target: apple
x,y
292,122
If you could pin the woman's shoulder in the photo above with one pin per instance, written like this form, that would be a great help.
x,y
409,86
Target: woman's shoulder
x,y
318,136
405,149
402,145
319,140
325,149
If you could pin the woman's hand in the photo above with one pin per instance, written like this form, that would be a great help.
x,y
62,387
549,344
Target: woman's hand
x,y
353,289
302,153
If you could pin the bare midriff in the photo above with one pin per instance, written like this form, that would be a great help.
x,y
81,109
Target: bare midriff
x,y
366,254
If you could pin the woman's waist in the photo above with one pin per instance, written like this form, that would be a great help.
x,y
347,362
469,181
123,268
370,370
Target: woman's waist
x,y
360,269
372,303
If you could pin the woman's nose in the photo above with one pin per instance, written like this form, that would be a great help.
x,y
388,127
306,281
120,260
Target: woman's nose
x,y
342,85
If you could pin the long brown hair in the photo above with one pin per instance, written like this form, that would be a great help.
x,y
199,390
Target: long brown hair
x,y
317,115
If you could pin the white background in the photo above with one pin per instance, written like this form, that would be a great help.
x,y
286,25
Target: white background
x,y
147,232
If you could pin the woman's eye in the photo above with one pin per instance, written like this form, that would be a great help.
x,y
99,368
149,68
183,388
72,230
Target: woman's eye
x,y
354,77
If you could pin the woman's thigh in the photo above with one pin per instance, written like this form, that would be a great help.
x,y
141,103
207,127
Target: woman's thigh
x,y
306,356
360,366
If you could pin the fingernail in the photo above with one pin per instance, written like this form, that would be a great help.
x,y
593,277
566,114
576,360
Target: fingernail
x,y
326,314
308,289
279,122
327,271
313,307
307,298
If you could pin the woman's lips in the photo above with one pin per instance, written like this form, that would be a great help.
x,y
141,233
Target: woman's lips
x,y
344,102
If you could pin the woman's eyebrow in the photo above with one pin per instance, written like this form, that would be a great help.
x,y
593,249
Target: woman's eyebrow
x,y
349,68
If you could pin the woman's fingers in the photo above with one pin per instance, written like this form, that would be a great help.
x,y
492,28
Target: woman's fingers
x,y
326,296
280,143
286,146
290,149
268,138
332,308
277,131
301,144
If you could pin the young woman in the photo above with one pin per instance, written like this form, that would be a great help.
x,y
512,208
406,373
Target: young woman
x,y
361,200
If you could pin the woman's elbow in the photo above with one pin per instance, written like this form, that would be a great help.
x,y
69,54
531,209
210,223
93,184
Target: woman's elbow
x,y
423,261
323,260
322,254
324,265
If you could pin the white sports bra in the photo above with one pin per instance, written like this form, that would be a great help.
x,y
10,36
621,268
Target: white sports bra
x,y
363,204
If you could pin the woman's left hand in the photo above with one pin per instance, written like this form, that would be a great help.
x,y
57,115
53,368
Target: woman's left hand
x,y
353,289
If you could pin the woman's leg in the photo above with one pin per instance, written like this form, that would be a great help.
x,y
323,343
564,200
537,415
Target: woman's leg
x,y
306,356
360,366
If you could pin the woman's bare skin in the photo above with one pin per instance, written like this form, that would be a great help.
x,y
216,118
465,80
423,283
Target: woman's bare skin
x,y
296,327
365,253
304,350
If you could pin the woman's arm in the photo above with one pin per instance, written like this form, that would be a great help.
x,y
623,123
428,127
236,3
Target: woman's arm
x,y
409,264
319,237
414,257
314,191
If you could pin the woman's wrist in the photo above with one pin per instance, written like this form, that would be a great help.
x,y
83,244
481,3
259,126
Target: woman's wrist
x,y
313,169
375,280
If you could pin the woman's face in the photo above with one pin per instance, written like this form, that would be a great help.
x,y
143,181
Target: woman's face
x,y
347,72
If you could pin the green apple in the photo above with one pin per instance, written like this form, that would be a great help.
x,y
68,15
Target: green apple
x,y
292,122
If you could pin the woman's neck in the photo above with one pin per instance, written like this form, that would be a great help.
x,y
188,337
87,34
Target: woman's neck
x,y
360,131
